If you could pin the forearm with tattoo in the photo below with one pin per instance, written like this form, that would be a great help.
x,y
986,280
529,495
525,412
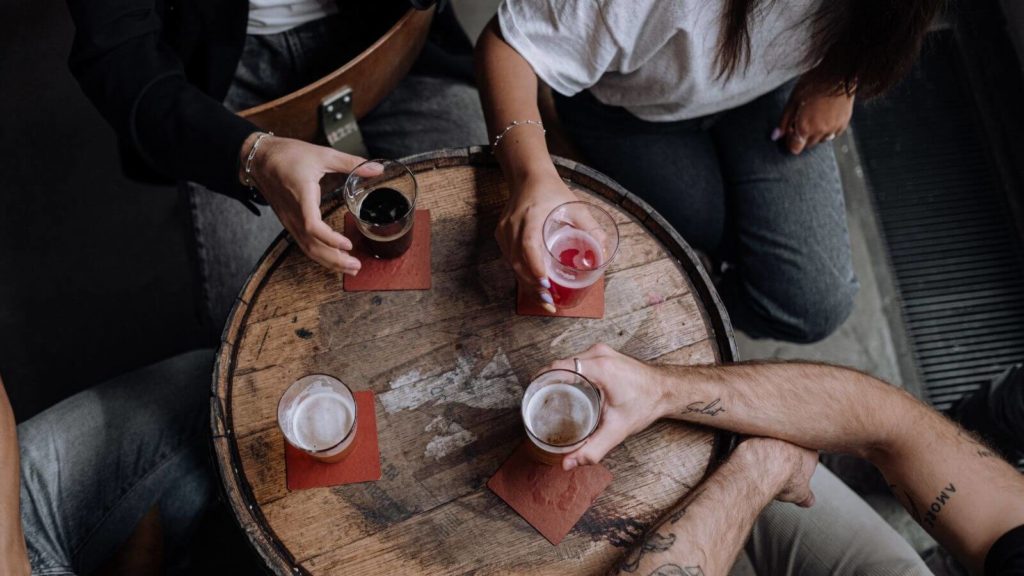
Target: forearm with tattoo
x,y
705,531
953,485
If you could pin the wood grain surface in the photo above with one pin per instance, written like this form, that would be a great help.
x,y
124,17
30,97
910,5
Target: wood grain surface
x,y
449,366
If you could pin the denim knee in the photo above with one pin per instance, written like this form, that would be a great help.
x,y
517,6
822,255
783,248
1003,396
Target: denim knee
x,y
815,307
803,309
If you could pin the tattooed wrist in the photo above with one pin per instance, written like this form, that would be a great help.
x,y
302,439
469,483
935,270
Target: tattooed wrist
x,y
705,408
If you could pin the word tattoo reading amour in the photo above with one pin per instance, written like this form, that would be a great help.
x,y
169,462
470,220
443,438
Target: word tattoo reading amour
x,y
932,512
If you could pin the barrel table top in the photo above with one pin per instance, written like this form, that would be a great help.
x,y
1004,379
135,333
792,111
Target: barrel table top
x,y
448,367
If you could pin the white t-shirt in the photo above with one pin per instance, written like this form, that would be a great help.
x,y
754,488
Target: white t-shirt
x,y
276,16
656,58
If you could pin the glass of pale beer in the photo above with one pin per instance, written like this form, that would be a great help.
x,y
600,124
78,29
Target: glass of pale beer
x,y
317,415
560,409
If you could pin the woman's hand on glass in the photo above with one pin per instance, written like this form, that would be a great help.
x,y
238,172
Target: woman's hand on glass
x,y
287,172
520,232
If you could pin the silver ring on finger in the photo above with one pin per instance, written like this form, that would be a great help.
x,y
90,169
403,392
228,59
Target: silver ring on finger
x,y
579,365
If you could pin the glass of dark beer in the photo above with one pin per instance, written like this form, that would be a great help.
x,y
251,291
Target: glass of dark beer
x,y
384,207
560,409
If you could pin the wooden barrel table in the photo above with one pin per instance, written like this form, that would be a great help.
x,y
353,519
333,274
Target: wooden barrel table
x,y
448,367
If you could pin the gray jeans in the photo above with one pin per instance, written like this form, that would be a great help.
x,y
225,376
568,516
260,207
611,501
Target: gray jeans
x,y
423,113
94,464
776,219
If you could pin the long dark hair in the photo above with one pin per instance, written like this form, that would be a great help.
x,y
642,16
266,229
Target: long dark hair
x,y
861,46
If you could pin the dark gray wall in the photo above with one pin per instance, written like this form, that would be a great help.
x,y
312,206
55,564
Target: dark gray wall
x,y
95,272
1014,12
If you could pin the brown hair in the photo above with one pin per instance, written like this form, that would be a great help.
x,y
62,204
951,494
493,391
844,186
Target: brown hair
x,y
855,45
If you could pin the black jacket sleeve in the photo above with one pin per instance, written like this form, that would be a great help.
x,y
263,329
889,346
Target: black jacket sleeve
x,y
139,85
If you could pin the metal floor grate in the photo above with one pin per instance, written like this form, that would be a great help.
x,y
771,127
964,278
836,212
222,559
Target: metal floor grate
x,y
958,262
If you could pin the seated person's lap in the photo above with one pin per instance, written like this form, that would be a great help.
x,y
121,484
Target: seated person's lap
x,y
778,220
93,465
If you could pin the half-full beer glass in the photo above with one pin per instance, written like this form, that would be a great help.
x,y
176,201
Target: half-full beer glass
x,y
561,409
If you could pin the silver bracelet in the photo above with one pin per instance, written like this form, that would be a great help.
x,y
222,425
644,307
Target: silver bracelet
x,y
249,159
515,123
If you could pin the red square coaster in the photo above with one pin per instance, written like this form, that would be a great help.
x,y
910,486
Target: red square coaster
x,y
361,465
410,271
592,305
549,498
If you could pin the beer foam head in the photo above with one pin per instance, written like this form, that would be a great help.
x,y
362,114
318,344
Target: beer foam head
x,y
322,421
319,418
560,414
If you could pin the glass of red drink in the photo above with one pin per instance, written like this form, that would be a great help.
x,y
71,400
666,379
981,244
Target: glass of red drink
x,y
581,240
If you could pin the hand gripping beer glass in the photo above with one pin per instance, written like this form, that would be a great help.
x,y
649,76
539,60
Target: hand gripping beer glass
x,y
561,409
384,207
317,414
581,240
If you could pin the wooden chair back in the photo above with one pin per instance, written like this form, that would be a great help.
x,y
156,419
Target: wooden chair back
x,y
371,75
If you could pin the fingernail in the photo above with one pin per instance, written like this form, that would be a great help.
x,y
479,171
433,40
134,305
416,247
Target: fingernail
x,y
545,296
545,282
776,134
569,464
373,166
550,308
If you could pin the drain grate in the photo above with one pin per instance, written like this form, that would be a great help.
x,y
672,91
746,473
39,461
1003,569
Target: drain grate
x,y
958,262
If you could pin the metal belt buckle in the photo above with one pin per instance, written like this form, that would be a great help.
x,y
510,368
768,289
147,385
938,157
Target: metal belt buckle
x,y
338,123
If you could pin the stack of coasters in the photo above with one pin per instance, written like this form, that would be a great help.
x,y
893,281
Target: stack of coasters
x,y
410,271
361,465
549,498
592,305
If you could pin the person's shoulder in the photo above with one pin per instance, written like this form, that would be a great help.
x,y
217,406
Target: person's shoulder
x,y
652,20
1006,557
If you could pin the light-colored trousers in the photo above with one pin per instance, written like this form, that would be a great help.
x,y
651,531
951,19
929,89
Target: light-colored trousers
x,y
840,534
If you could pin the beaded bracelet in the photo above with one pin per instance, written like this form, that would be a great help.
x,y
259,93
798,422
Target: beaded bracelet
x,y
514,124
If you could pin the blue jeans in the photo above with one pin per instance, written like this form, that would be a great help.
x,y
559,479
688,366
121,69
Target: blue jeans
x,y
94,464
778,221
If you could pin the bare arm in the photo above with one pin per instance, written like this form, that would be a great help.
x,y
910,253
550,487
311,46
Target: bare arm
x,y
508,90
953,486
703,533
13,556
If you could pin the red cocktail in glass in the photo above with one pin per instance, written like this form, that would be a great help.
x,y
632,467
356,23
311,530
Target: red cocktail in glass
x,y
581,240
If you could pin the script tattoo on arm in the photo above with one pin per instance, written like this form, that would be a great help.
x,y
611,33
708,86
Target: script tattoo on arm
x,y
712,408
981,448
653,542
677,570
